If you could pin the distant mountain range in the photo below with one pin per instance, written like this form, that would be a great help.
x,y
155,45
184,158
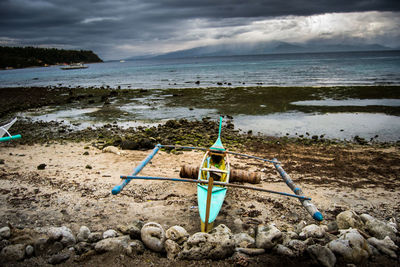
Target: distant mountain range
x,y
261,48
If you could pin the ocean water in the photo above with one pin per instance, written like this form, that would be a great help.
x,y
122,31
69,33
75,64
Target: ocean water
x,y
308,69
369,113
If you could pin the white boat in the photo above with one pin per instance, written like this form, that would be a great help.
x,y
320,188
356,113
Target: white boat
x,y
75,66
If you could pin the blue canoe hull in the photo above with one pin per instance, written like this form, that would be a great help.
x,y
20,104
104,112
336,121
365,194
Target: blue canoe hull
x,y
217,199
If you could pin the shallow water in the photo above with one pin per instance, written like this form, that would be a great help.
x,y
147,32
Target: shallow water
x,y
336,125
151,111
304,69
257,91
350,102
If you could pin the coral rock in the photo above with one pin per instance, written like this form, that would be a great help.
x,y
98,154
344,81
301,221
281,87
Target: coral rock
x,y
267,236
177,233
83,234
313,231
351,245
136,247
118,244
386,246
62,234
218,244
349,219
379,229
153,236
12,253
323,255
134,229
5,232
110,233
243,240
284,251
172,248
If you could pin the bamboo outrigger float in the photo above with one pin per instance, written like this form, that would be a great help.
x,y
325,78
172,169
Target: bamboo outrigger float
x,y
213,181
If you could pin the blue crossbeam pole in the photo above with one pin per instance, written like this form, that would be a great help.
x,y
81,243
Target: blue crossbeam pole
x,y
130,177
138,168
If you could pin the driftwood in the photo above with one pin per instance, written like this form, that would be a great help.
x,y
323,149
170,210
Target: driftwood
x,y
192,172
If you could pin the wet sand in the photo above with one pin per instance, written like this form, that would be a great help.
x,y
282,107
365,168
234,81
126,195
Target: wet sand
x,y
75,188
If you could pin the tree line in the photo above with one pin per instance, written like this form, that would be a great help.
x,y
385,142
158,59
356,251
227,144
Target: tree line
x,y
23,57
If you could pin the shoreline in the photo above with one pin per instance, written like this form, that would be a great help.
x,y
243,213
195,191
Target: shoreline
x,y
125,105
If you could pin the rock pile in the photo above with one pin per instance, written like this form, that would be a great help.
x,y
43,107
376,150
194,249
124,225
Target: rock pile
x,y
352,239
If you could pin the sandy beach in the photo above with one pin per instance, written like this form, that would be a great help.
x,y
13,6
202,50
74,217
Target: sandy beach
x,y
74,189
57,176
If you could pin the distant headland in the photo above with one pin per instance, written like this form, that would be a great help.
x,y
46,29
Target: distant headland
x,y
24,57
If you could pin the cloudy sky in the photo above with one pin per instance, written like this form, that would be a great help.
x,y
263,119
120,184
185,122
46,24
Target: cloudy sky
x,y
122,28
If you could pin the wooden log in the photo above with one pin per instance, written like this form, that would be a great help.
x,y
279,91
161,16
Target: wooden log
x,y
192,172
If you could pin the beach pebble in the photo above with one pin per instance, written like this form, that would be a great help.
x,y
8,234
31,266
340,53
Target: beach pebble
x,y
82,247
297,246
117,244
393,223
349,219
378,228
95,237
322,255
83,234
124,229
135,229
351,245
13,253
288,236
313,231
332,227
153,236
172,248
284,251
41,166
110,233
299,227
62,234
267,236
40,246
4,243
136,247
59,258
29,251
5,232
251,251
386,246
243,240
241,259
111,149
238,224
177,233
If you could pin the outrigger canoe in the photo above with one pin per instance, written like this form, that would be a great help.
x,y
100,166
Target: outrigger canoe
x,y
215,166
213,180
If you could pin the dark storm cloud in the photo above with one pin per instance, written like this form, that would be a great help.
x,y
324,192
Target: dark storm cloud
x,y
103,24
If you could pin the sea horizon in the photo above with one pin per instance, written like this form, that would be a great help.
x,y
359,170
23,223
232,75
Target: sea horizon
x,y
291,69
